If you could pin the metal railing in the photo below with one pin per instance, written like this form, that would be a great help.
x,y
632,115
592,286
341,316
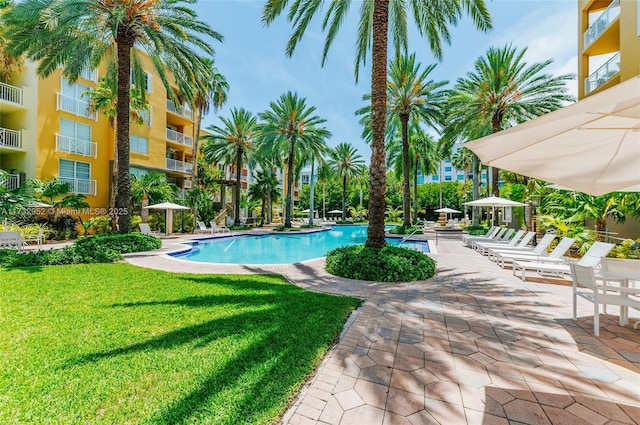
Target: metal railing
x,y
82,186
602,23
77,146
11,182
602,74
179,166
10,138
178,137
10,93
74,106
183,111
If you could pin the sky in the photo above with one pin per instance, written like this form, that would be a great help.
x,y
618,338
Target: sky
x,y
252,56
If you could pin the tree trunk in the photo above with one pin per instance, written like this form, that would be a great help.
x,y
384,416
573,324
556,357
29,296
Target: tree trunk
x,y
415,189
194,158
377,169
269,203
312,210
344,197
289,199
236,204
114,183
495,171
406,183
124,43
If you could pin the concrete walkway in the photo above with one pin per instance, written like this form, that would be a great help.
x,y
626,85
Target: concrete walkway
x,y
473,345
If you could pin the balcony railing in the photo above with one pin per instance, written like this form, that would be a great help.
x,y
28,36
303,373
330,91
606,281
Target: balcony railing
x,y
179,166
187,184
10,138
11,182
181,138
75,106
602,23
82,186
183,111
10,93
77,146
602,74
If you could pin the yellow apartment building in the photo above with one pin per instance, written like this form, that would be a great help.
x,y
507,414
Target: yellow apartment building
x,y
608,43
48,130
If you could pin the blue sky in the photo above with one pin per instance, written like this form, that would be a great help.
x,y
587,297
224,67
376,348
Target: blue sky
x,y
253,59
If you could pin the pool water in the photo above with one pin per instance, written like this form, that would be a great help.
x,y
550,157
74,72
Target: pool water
x,y
282,248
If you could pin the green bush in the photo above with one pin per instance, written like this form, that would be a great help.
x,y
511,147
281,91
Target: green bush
x,y
120,243
388,264
476,230
628,248
53,257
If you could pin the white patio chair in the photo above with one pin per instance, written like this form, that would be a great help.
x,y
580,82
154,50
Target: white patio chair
x,y
522,246
145,229
466,238
202,228
497,234
503,257
218,229
10,240
585,277
483,247
555,257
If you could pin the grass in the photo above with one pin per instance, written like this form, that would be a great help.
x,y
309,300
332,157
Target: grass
x,y
113,343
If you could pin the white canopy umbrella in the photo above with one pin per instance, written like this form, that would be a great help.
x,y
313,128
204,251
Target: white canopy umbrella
x,y
447,210
168,207
592,146
494,201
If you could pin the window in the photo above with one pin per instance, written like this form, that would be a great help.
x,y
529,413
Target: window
x,y
75,90
434,178
447,178
447,169
73,98
75,137
460,176
484,175
77,175
138,172
89,74
138,144
147,87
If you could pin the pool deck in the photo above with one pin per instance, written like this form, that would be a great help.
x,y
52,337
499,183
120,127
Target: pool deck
x,y
473,345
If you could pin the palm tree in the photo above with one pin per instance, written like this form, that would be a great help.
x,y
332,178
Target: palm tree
x,y
424,159
348,164
503,91
290,126
80,33
232,144
152,188
266,187
411,95
104,99
325,174
9,65
432,19
462,159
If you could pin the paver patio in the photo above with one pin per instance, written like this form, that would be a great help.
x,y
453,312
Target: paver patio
x,y
474,345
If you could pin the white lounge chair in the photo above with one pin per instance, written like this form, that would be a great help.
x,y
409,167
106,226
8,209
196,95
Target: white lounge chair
x,y
521,246
497,234
10,240
483,247
555,257
218,229
465,238
145,229
625,297
591,258
202,228
507,256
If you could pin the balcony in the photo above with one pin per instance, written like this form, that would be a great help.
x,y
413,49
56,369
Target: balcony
x,y
602,23
10,138
183,111
187,184
179,166
82,186
76,146
176,137
11,182
10,94
602,74
75,106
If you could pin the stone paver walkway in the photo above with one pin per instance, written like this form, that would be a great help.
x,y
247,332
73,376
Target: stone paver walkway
x,y
473,345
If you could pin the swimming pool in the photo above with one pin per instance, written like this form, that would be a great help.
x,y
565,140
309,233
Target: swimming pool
x,y
281,248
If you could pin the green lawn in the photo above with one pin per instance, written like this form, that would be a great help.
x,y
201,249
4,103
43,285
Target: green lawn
x,y
114,343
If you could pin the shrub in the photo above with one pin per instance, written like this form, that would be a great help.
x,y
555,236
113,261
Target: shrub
x,y
476,230
120,243
388,264
64,227
100,224
401,230
626,249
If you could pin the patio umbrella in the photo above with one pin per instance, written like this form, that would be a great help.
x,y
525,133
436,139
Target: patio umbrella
x,y
447,210
493,202
168,207
592,146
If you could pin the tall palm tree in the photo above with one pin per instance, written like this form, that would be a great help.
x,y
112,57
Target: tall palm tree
x,y
150,188
348,164
325,173
431,18
80,33
232,144
9,65
411,95
424,159
504,90
462,159
290,126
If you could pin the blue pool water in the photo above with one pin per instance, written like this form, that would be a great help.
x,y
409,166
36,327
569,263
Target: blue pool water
x,y
281,248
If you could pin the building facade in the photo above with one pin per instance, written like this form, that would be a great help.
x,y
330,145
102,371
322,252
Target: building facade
x,y
47,130
608,43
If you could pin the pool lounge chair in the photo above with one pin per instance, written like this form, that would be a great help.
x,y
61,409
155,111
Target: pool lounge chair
x,y
521,246
555,257
591,258
483,247
10,240
506,256
146,230
465,238
497,235
202,228
218,229
586,277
